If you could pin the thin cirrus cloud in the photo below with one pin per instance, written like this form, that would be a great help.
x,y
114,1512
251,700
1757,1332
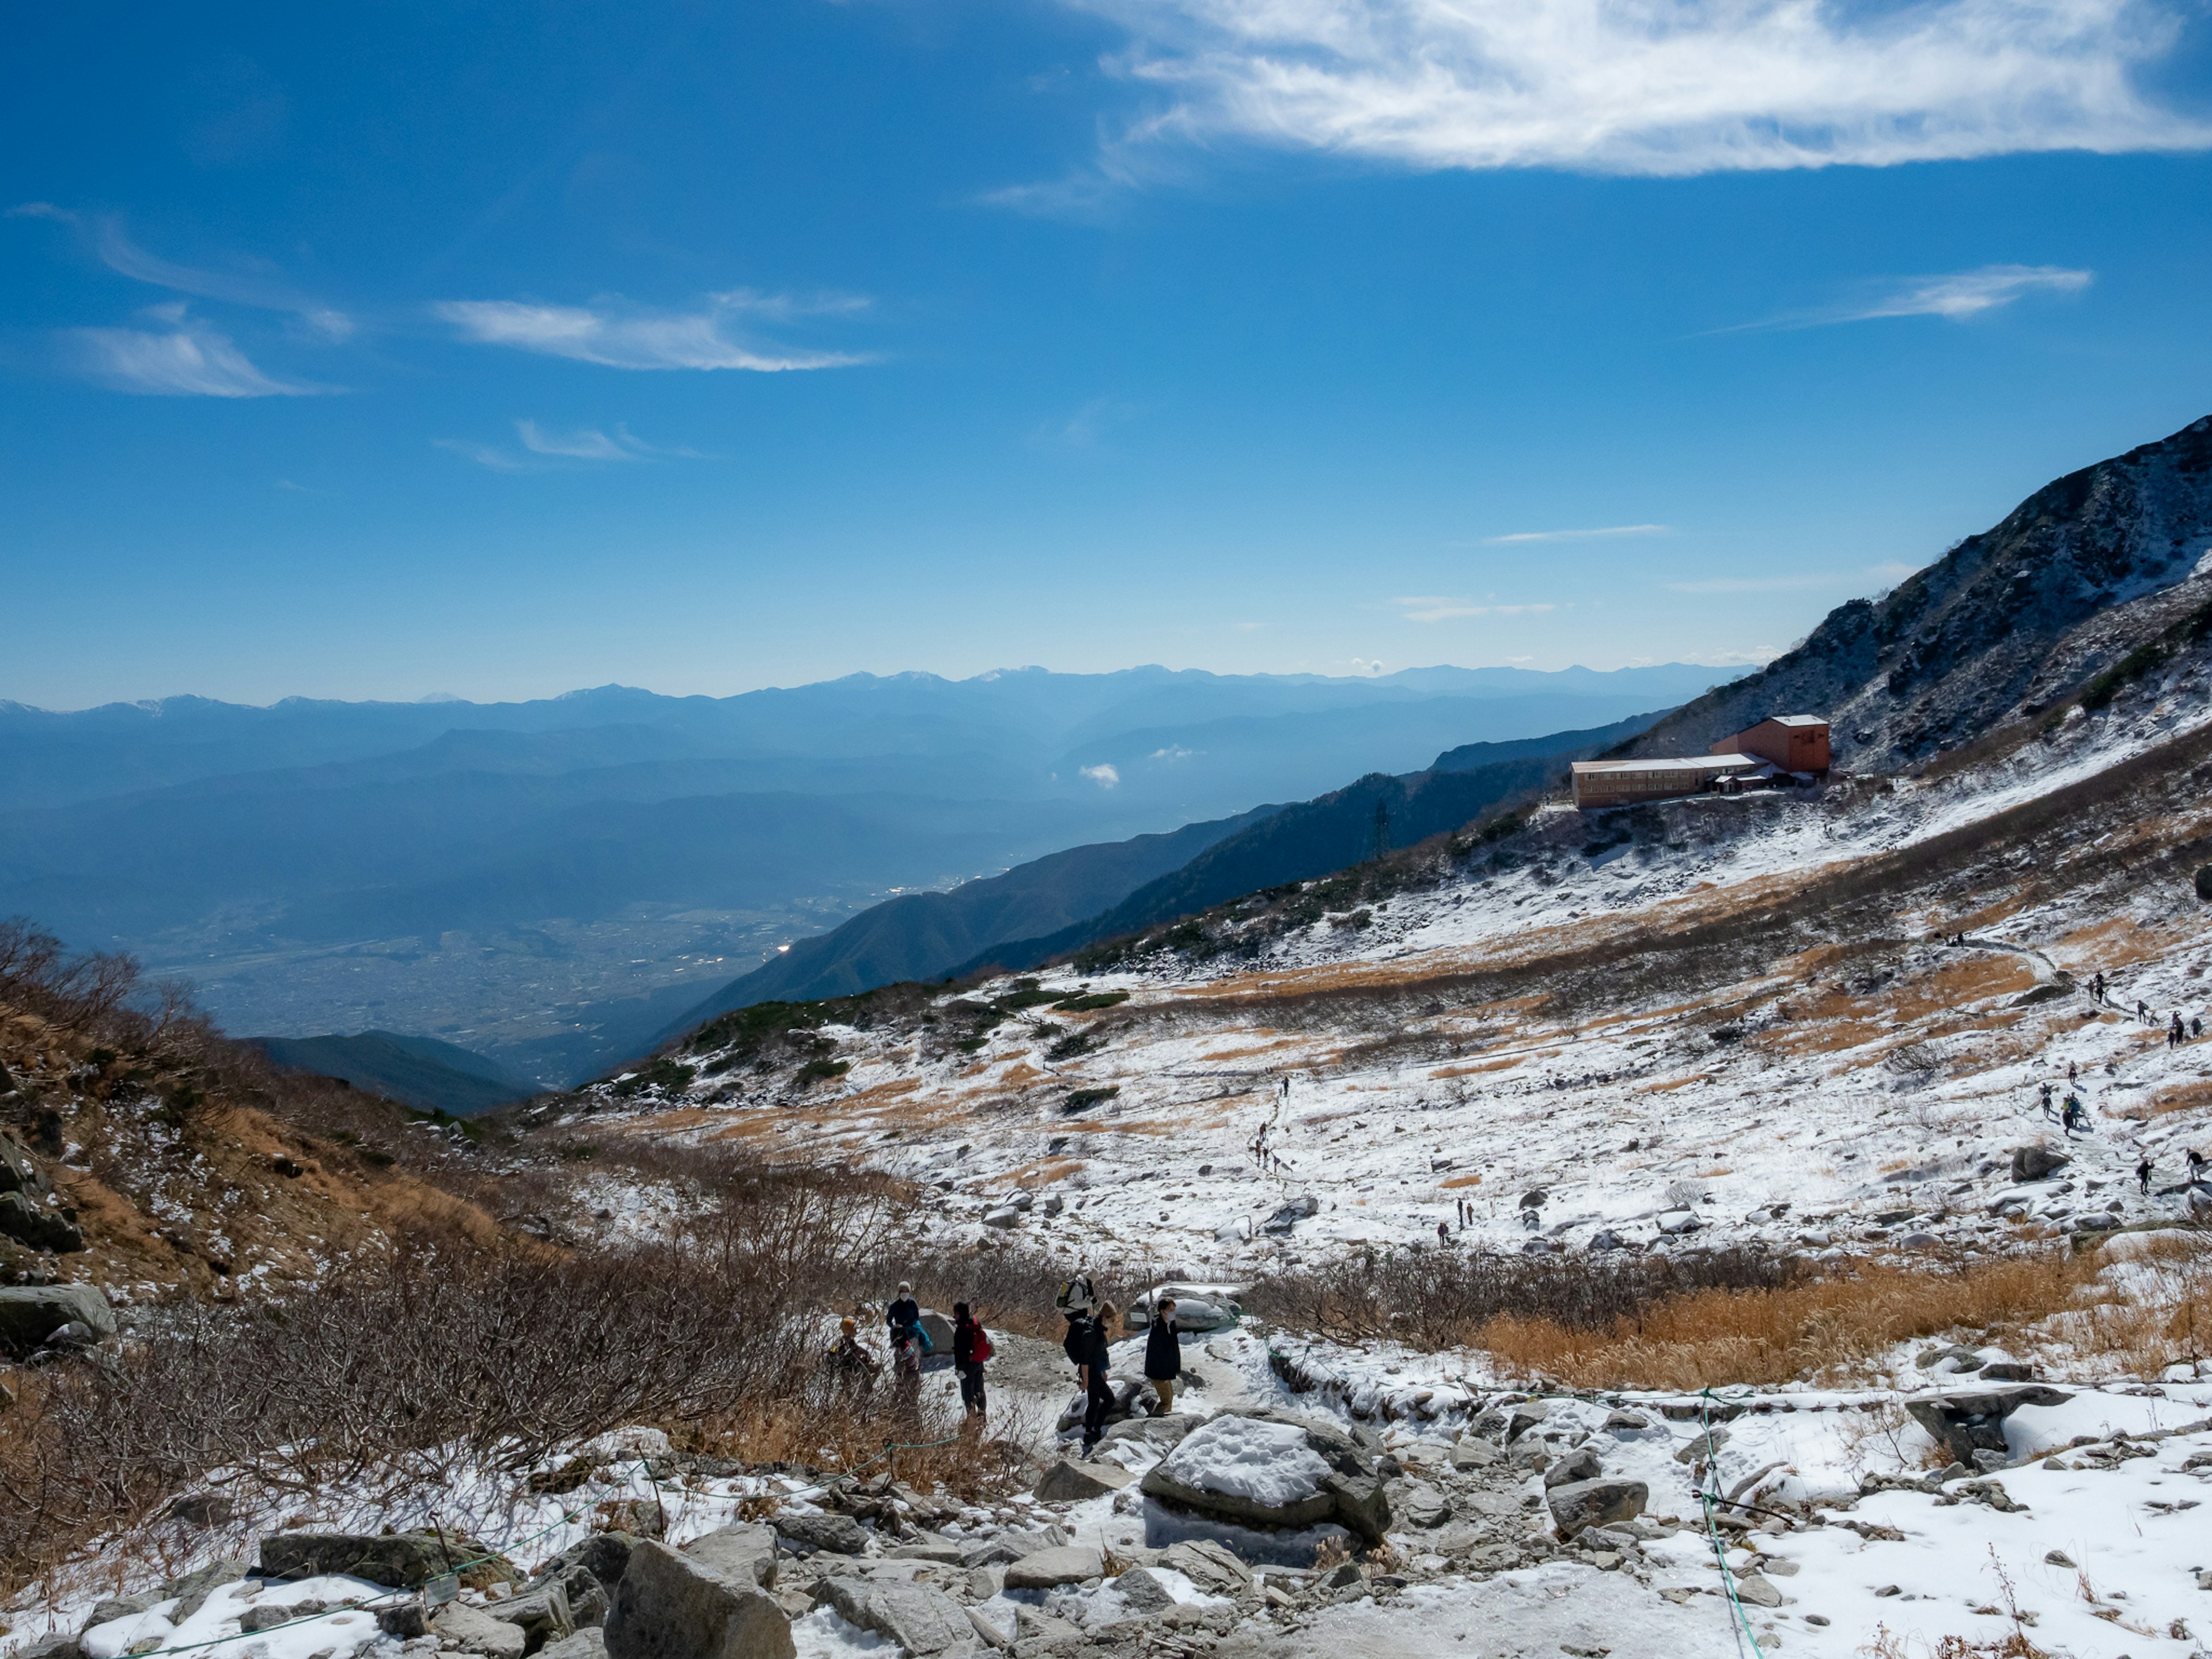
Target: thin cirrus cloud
x,y
258,291
1578,535
183,359
710,335
544,448
1957,297
1435,608
1672,88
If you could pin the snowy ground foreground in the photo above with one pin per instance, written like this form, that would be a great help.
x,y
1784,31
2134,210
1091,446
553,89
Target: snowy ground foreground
x,y
1918,1565
1855,1112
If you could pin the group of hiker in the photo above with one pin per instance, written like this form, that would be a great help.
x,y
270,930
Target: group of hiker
x,y
2176,1032
910,1345
1087,1345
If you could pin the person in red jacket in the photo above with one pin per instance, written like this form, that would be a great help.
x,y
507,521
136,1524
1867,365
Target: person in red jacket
x,y
970,1348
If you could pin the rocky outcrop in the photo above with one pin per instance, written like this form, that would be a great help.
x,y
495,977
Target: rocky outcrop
x,y
31,1315
840,1534
401,1560
1273,1472
745,1552
671,1606
1074,1483
2036,1162
922,1621
1967,1420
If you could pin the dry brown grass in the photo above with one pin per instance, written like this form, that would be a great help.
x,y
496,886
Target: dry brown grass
x,y
1817,1327
1833,1328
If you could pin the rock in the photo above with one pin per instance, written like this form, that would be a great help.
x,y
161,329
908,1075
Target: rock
x,y
1598,1503
996,1625
1525,1417
193,1590
1960,1359
1003,1217
541,1614
1343,1576
604,1555
1289,1215
1263,1470
1965,1420
1677,1223
1606,1239
922,1621
1161,1431
27,1221
1212,1566
30,1315
840,1534
1054,1205
2008,1370
1703,1448
943,1551
400,1560
1756,1590
472,1630
1531,1455
18,1173
256,1619
2036,1162
745,1551
109,1608
1581,1465
201,1508
1074,1483
587,1594
1471,1452
59,1645
676,1606
1626,1422
1423,1506
2057,1558
589,1642
1071,1563
405,1621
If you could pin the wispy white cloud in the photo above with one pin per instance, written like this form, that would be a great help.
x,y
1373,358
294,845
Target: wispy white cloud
x,y
498,460
1434,608
184,359
586,444
1578,535
260,290
1659,87
545,449
1959,296
1105,775
708,336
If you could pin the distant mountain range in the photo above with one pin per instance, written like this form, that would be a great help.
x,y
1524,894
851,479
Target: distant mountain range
x,y
1101,892
418,1072
551,882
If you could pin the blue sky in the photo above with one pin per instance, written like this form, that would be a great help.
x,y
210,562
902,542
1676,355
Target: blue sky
x,y
379,351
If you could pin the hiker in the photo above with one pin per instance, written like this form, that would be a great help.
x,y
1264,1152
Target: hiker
x,y
2143,1176
2143,1011
1077,1300
2047,1112
1099,1395
2070,1070
2097,986
2074,1118
1164,1354
972,1346
2196,1166
852,1362
2197,1025
1443,1233
908,1340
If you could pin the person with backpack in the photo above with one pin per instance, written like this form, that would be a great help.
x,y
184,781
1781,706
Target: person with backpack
x,y
972,1346
2073,1118
1077,1301
1164,1354
908,1340
2142,1176
1099,1393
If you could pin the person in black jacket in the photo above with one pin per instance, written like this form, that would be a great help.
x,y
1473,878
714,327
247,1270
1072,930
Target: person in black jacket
x,y
1164,1354
904,1318
965,1330
1095,1360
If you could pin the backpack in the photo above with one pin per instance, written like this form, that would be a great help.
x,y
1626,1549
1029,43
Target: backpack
x,y
1077,1296
981,1350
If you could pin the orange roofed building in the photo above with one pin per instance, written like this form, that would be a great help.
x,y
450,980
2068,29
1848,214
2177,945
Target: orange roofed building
x,y
1795,743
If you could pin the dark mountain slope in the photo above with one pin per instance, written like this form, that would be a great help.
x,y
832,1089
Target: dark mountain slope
x,y
924,935
418,1072
2076,577
1317,837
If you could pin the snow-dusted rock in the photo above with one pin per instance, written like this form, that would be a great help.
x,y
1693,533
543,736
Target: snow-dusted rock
x,y
472,1630
1071,1563
676,1606
1599,1503
922,1621
1066,1482
1268,1472
745,1552
31,1314
401,1560
1968,1419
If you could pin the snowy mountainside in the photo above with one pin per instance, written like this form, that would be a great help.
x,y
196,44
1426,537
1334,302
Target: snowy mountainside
x,y
2004,623
1714,1018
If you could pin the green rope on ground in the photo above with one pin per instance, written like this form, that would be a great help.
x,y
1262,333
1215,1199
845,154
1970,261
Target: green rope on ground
x,y
1713,1531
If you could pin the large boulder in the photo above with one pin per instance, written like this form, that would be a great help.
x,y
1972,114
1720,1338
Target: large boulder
x,y
678,1607
745,1551
27,1221
1600,1503
1273,1472
541,1614
31,1314
1965,1420
19,1173
1289,1215
2036,1162
401,1560
470,1629
922,1621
